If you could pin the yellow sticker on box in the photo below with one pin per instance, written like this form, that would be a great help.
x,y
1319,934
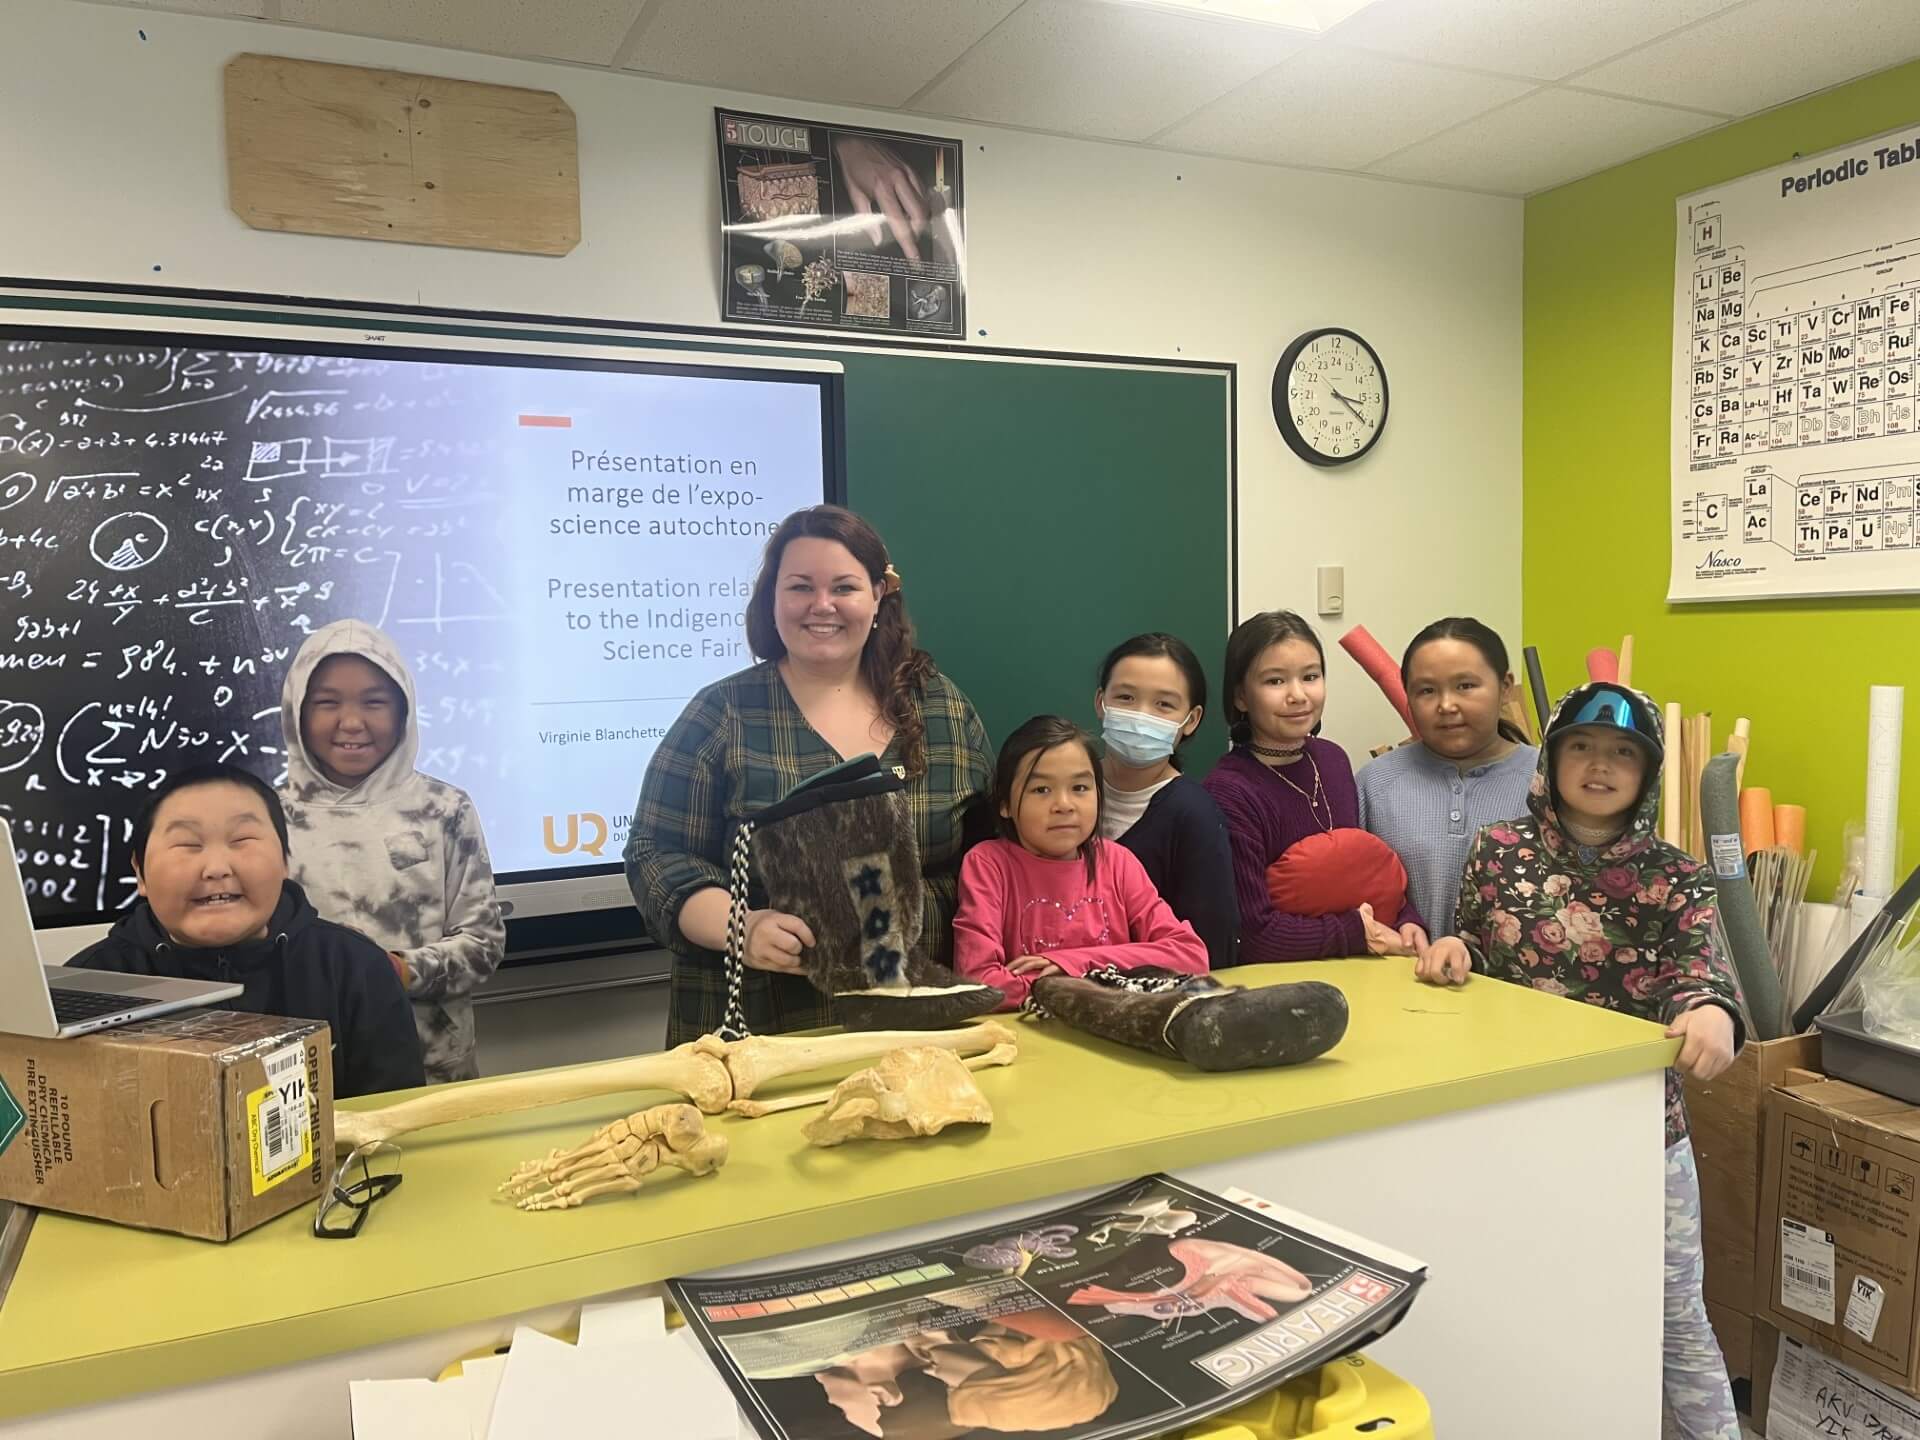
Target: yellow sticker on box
x,y
279,1129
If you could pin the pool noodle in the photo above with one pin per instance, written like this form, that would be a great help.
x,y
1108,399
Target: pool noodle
x,y
1790,827
1379,665
1756,820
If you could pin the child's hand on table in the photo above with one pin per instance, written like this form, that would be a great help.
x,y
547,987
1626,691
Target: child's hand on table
x,y
1446,962
1707,1048
1381,940
1034,966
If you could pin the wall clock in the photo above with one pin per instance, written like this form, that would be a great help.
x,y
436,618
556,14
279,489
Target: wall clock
x,y
1330,397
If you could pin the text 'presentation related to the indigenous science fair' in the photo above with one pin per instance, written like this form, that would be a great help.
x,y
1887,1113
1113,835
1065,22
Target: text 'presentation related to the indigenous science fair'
x,y
561,547
653,507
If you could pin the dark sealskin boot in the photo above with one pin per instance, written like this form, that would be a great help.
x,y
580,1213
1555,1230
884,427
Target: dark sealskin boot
x,y
1209,1025
848,865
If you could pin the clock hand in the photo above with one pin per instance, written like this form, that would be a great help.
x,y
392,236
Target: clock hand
x,y
1351,407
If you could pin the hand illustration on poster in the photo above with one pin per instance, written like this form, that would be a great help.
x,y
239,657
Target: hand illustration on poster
x,y
847,228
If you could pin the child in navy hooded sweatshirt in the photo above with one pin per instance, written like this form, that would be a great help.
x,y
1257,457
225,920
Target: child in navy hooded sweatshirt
x,y
397,854
210,851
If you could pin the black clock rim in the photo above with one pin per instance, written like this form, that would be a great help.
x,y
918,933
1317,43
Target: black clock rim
x,y
1283,415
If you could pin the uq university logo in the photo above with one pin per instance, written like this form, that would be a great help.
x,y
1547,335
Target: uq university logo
x,y
593,843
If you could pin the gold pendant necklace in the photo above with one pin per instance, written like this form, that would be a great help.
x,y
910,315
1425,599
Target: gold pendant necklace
x,y
1314,800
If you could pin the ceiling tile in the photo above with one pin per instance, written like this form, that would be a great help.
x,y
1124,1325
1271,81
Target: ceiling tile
x,y
584,31
854,52
1545,139
1766,53
1110,71
1547,39
1341,109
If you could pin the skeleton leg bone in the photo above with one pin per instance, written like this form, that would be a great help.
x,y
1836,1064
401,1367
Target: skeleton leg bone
x,y
696,1070
760,1058
754,1109
708,1071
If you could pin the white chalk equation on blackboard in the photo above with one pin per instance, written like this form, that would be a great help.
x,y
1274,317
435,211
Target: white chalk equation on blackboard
x,y
173,522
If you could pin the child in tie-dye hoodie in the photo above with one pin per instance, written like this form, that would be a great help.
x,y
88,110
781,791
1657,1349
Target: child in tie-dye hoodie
x,y
380,847
1581,898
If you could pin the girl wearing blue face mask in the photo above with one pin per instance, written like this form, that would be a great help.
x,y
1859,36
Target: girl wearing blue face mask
x,y
1151,697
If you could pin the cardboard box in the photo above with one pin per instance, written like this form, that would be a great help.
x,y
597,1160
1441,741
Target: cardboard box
x,y
1766,1349
1840,1269
206,1123
1727,1118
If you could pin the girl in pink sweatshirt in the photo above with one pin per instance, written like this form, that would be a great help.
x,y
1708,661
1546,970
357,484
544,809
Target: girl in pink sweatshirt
x,y
1049,897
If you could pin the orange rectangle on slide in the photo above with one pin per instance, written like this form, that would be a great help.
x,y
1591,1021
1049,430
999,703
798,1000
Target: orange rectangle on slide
x,y
557,422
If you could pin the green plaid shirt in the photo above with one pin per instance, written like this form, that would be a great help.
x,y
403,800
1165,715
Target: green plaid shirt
x,y
740,745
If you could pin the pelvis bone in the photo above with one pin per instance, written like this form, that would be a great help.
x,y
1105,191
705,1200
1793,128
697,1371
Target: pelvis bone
x,y
916,1091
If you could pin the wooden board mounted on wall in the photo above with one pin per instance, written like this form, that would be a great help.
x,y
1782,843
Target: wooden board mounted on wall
x,y
384,155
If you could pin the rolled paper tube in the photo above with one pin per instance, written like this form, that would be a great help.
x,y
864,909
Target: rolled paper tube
x,y
1379,665
1537,682
1789,826
1673,797
1884,705
1603,664
1625,673
1738,743
1756,821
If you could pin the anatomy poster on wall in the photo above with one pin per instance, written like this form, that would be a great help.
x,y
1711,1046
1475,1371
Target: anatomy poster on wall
x,y
838,227
1795,452
1130,1314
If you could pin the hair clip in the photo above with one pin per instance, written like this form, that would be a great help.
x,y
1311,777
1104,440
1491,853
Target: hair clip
x,y
892,577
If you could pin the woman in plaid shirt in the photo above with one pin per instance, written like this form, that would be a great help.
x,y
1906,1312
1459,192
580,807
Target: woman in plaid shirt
x,y
839,676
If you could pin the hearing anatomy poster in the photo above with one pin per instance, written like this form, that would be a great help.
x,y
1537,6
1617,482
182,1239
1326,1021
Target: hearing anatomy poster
x,y
1131,1314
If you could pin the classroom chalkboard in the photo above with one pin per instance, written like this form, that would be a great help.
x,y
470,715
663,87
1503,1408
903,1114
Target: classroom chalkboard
x,y
1039,510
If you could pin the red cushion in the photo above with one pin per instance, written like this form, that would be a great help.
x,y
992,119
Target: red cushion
x,y
1339,871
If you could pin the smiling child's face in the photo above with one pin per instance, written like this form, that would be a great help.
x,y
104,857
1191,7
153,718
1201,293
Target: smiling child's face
x,y
214,869
351,718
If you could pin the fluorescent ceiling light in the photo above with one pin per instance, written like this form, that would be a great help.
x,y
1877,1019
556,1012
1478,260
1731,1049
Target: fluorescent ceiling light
x,y
1309,16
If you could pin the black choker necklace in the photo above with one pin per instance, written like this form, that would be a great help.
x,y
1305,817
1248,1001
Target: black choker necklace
x,y
1275,752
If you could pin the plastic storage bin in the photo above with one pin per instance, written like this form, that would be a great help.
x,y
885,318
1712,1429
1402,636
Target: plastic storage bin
x,y
1848,1052
1349,1398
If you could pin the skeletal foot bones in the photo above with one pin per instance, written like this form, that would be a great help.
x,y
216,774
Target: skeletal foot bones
x,y
618,1159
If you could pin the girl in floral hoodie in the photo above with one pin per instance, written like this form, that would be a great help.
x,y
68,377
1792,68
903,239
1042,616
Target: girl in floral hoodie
x,y
1582,899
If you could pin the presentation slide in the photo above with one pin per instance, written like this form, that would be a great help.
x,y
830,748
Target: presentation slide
x,y
563,551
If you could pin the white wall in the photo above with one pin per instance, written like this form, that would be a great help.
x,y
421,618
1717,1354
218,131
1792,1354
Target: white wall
x,y
113,170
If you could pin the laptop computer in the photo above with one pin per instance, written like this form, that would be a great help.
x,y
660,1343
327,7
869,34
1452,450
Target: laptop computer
x,y
54,1001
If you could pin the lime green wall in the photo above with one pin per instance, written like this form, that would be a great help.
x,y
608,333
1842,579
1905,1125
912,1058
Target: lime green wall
x,y
1598,335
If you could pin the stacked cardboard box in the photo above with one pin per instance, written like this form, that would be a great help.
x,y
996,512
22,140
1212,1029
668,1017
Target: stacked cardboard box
x,y
206,1123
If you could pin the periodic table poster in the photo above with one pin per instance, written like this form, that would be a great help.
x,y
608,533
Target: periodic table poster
x,y
1795,449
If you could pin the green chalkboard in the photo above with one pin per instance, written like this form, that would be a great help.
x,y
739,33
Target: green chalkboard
x,y
1040,508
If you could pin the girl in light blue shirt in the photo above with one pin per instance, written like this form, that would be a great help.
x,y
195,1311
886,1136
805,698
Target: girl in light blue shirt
x,y
1470,768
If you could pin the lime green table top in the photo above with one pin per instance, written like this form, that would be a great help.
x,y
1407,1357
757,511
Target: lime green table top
x,y
98,1311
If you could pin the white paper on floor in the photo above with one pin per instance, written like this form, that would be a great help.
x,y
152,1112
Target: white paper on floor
x,y
1814,1397
408,1410
550,1387
480,1381
621,1320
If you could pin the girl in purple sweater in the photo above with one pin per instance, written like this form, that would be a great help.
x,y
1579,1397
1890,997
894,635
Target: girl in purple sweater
x,y
1281,785
1049,896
